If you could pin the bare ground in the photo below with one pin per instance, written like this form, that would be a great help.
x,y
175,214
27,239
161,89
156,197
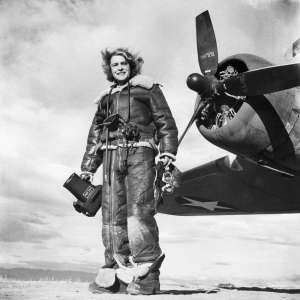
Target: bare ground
x,y
64,290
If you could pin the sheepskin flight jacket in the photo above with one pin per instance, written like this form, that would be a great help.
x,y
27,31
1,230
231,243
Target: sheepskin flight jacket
x,y
142,103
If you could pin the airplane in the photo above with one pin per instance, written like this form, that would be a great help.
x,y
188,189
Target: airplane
x,y
247,106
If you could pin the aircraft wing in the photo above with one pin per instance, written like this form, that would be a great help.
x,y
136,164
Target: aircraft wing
x,y
222,187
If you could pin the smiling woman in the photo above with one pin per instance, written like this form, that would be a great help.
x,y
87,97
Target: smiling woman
x,y
111,59
132,123
120,69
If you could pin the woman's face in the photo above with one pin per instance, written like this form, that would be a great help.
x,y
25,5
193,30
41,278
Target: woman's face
x,y
120,69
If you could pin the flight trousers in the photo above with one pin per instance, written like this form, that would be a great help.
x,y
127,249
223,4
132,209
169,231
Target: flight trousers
x,y
129,227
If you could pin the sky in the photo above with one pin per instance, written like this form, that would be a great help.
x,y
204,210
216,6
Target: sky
x,y
50,75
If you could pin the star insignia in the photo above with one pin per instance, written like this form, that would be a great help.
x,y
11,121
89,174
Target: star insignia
x,y
209,205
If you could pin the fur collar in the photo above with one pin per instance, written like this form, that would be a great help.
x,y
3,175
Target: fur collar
x,y
138,80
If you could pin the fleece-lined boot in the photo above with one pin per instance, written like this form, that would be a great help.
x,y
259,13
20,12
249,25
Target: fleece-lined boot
x,y
147,285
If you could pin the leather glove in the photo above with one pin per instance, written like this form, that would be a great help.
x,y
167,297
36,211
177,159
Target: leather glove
x,y
88,176
167,159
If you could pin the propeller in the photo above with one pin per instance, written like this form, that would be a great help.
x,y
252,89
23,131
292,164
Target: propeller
x,y
250,83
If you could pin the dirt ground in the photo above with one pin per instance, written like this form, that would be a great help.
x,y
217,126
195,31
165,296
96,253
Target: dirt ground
x,y
64,290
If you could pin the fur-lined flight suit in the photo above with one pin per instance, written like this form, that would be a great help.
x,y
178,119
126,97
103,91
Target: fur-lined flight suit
x,y
128,205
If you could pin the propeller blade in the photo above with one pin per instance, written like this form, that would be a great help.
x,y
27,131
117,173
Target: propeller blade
x,y
263,81
197,110
206,44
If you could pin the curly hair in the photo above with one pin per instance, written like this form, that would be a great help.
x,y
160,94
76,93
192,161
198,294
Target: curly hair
x,y
135,62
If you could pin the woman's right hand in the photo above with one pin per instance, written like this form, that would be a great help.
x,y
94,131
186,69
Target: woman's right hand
x,y
87,176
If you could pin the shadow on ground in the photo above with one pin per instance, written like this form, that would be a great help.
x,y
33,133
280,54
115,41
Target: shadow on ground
x,y
188,292
259,289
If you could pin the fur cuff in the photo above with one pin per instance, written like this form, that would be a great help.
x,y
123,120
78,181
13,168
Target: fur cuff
x,y
170,155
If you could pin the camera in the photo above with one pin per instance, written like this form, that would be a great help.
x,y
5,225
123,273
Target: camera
x,y
88,195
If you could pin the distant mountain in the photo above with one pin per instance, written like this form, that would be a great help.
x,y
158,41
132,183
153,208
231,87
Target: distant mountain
x,y
40,274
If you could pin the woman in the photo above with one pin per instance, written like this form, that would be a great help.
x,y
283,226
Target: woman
x,y
132,124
